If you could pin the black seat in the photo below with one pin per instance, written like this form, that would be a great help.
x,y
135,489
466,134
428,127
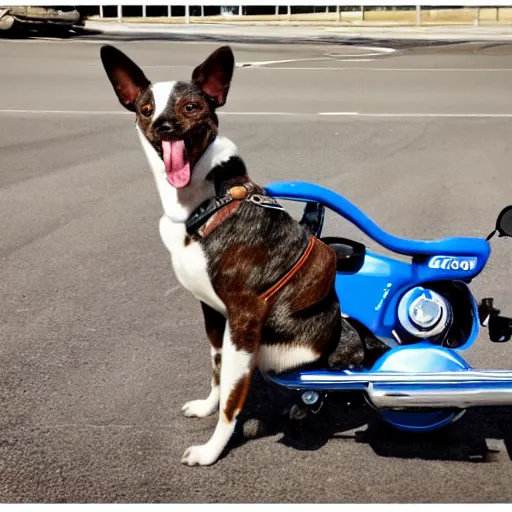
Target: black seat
x,y
349,254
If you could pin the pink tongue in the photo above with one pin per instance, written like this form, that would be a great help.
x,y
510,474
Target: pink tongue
x,y
178,171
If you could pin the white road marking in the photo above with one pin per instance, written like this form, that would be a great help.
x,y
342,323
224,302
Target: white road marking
x,y
67,112
81,40
245,65
123,113
285,68
34,40
340,57
378,49
338,113
356,68
374,50
290,114
441,70
268,62
410,114
337,56
326,68
264,114
146,66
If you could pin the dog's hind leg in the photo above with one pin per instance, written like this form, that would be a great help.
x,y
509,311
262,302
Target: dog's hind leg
x,y
240,347
214,324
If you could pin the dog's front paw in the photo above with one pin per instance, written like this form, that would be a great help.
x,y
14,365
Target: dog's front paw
x,y
199,408
201,455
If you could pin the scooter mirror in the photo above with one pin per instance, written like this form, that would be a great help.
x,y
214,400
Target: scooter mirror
x,y
504,222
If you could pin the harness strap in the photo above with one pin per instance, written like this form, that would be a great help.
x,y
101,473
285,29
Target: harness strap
x,y
220,216
221,207
277,287
205,210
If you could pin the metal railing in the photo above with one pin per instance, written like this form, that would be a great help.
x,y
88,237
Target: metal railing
x,y
416,15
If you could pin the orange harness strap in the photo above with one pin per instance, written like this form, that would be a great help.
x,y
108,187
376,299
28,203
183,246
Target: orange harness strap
x,y
266,296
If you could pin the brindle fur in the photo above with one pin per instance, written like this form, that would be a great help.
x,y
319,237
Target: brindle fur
x,y
250,251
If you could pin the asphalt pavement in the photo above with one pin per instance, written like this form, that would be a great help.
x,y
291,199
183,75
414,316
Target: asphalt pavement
x,y
100,346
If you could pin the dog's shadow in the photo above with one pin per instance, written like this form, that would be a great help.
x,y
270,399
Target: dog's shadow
x,y
348,417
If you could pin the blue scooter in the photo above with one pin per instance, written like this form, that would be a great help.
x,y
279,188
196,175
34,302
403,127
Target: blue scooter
x,y
421,309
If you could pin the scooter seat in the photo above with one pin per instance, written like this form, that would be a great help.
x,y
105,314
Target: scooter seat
x,y
349,254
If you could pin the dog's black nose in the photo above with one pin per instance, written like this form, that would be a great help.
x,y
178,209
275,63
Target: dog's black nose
x,y
164,128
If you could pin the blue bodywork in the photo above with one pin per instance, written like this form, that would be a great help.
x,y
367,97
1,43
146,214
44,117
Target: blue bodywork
x,y
301,191
371,296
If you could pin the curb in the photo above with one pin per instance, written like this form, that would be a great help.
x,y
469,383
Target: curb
x,y
324,35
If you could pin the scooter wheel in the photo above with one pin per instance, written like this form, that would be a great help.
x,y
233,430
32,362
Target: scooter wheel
x,y
298,412
421,421
417,359
306,408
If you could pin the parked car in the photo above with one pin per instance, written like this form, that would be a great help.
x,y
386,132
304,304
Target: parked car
x,y
22,19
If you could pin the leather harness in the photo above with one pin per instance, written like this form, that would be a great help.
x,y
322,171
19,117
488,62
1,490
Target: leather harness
x,y
277,287
201,216
211,214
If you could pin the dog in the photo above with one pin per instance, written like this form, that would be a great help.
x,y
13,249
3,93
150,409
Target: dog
x,y
265,283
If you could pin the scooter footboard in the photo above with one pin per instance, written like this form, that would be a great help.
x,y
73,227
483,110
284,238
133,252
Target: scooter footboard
x,y
394,390
412,378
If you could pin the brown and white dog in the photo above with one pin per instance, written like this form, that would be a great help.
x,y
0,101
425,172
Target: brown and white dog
x,y
240,254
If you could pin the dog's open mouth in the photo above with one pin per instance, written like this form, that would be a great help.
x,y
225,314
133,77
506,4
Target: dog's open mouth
x,y
177,166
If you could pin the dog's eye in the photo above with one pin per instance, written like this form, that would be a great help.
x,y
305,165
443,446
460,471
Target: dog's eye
x,y
146,110
190,106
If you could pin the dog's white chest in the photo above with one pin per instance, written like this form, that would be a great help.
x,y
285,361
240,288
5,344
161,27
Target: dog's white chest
x,y
189,264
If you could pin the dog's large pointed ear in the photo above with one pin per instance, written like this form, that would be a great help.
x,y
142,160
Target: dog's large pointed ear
x,y
126,77
214,75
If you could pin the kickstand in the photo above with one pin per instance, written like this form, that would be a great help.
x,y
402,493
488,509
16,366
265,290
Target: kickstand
x,y
500,327
486,310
